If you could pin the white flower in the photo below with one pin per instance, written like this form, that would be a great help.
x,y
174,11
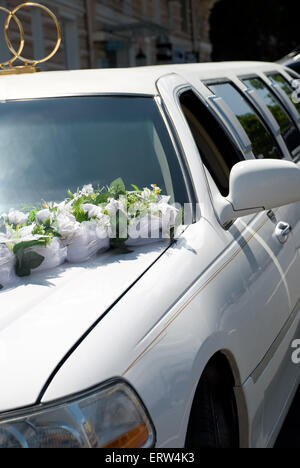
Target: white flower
x,y
94,230
3,238
26,232
87,189
164,199
93,211
296,84
146,193
12,237
104,221
89,239
64,207
296,93
17,217
54,255
139,206
167,212
114,205
7,262
43,215
66,224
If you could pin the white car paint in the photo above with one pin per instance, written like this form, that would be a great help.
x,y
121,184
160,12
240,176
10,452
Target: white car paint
x,y
235,291
45,315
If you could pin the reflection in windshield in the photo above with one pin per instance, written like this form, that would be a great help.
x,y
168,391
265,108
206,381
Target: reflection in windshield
x,y
50,146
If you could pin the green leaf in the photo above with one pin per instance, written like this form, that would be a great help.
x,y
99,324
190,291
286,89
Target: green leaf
x,y
80,215
27,260
71,195
32,216
47,223
78,212
27,244
117,188
102,198
55,233
38,230
135,188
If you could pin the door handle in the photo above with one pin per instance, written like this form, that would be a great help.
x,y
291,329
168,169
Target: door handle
x,y
282,232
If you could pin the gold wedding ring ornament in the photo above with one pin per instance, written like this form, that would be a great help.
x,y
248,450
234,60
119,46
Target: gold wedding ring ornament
x,y
30,65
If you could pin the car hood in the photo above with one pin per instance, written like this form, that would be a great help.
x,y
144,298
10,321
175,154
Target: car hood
x,y
44,316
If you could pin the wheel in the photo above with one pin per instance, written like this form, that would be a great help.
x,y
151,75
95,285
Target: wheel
x,y
213,422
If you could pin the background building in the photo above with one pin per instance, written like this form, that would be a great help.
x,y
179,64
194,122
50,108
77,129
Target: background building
x,y
115,33
122,33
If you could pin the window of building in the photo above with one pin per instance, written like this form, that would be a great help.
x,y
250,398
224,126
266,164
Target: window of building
x,y
70,43
156,11
37,34
184,15
289,131
127,6
263,142
216,150
4,52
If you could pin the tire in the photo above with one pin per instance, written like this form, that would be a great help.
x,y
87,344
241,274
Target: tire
x,y
213,422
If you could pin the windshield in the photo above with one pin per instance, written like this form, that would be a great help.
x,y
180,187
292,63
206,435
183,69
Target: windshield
x,y
49,146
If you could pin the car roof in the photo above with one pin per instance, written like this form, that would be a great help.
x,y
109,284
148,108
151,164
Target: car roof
x,y
140,80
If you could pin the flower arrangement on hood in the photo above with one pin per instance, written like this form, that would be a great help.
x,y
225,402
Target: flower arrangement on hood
x,y
86,223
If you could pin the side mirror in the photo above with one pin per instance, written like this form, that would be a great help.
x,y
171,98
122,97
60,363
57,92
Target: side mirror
x,y
259,185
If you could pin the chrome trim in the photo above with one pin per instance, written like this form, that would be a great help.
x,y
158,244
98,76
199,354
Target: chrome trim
x,y
95,94
184,166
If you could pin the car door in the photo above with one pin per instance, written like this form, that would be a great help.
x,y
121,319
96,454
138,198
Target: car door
x,y
284,122
268,264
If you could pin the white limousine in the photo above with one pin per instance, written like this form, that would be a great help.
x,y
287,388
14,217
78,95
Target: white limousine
x,y
189,342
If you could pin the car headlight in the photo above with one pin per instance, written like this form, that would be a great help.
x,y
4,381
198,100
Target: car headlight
x,y
110,416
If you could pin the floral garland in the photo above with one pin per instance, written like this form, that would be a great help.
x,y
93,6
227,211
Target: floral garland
x,y
86,223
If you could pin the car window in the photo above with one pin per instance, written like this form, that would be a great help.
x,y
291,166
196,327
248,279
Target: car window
x,y
292,73
289,131
52,145
216,150
263,142
295,66
278,79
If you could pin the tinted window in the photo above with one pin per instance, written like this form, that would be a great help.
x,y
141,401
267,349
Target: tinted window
x,y
285,86
216,150
295,66
289,131
293,74
49,146
263,143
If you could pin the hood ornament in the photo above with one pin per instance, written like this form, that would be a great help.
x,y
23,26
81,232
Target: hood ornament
x,y
30,65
